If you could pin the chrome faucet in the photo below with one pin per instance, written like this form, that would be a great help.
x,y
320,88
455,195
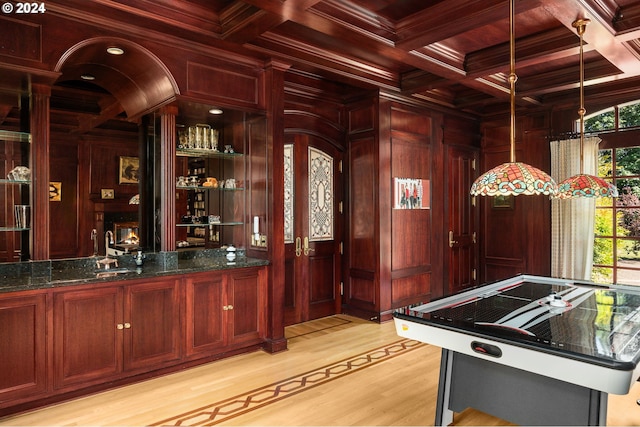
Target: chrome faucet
x,y
94,238
106,261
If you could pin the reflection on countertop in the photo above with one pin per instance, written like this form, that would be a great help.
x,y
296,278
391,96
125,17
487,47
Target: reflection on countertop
x,y
58,273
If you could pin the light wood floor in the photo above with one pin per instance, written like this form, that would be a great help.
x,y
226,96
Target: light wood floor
x,y
338,371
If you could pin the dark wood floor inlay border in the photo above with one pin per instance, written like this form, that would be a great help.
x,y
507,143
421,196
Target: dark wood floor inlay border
x,y
309,328
219,411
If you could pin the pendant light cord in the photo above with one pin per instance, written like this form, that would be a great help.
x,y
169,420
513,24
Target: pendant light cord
x,y
580,26
512,80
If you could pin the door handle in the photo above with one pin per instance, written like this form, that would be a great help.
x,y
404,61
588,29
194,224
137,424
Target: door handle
x,y
307,249
451,241
298,246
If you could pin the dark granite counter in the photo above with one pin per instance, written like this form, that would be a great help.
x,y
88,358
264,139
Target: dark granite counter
x,y
59,273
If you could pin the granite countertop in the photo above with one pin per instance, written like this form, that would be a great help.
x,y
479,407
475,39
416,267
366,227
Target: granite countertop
x,y
84,271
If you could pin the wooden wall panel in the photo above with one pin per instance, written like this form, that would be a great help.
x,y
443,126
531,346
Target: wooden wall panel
x,y
502,239
411,158
20,39
403,120
363,202
362,293
460,131
411,229
410,239
63,214
393,253
361,120
105,158
219,82
405,290
518,240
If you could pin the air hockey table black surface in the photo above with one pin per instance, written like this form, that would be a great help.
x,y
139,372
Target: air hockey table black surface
x,y
532,350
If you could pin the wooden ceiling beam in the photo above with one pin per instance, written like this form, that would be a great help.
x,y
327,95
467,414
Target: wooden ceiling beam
x,y
599,33
107,113
536,49
420,81
566,78
243,22
452,17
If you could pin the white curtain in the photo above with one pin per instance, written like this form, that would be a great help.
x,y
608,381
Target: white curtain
x,y
572,220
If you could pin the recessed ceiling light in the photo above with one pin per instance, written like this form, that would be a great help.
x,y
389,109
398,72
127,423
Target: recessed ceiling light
x,y
215,111
115,50
88,77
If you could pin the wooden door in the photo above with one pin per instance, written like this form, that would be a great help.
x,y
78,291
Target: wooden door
x,y
23,355
88,335
461,245
313,228
246,306
151,324
205,319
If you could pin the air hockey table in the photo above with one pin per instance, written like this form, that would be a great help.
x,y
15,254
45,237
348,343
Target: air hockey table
x,y
531,350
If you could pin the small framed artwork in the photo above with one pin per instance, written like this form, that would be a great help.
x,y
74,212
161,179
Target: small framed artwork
x,y
502,202
55,191
410,193
128,170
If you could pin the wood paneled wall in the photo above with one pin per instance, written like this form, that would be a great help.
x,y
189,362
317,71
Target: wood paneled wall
x,y
64,213
518,240
390,251
85,167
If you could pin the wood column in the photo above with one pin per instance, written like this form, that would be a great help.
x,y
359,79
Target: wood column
x,y
168,177
39,128
274,101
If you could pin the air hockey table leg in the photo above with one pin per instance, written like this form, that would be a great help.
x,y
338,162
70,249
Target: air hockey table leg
x,y
444,415
521,397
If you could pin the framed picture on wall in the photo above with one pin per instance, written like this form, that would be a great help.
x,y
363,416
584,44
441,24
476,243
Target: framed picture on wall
x,y
55,191
128,170
410,193
502,202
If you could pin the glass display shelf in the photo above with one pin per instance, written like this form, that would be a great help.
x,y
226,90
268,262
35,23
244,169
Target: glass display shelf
x,y
202,187
201,152
205,224
19,137
7,135
13,181
14,229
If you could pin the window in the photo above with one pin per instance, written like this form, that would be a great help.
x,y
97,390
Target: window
x,y
622,116
616,253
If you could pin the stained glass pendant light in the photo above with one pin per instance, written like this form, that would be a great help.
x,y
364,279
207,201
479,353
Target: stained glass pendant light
x,y
513,178
584,185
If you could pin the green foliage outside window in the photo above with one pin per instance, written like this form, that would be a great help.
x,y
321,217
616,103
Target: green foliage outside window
x,y
629,116
601,122
617,222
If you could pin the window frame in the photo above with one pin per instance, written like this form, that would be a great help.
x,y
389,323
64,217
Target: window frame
x,y
613,140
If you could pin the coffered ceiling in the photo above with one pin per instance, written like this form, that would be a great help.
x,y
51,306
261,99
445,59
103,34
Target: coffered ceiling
x,y
451,52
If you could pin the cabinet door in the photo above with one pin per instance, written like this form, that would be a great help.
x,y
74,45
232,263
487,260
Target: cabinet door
x,y
204,313
151,324
87,335
246,294
22,351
